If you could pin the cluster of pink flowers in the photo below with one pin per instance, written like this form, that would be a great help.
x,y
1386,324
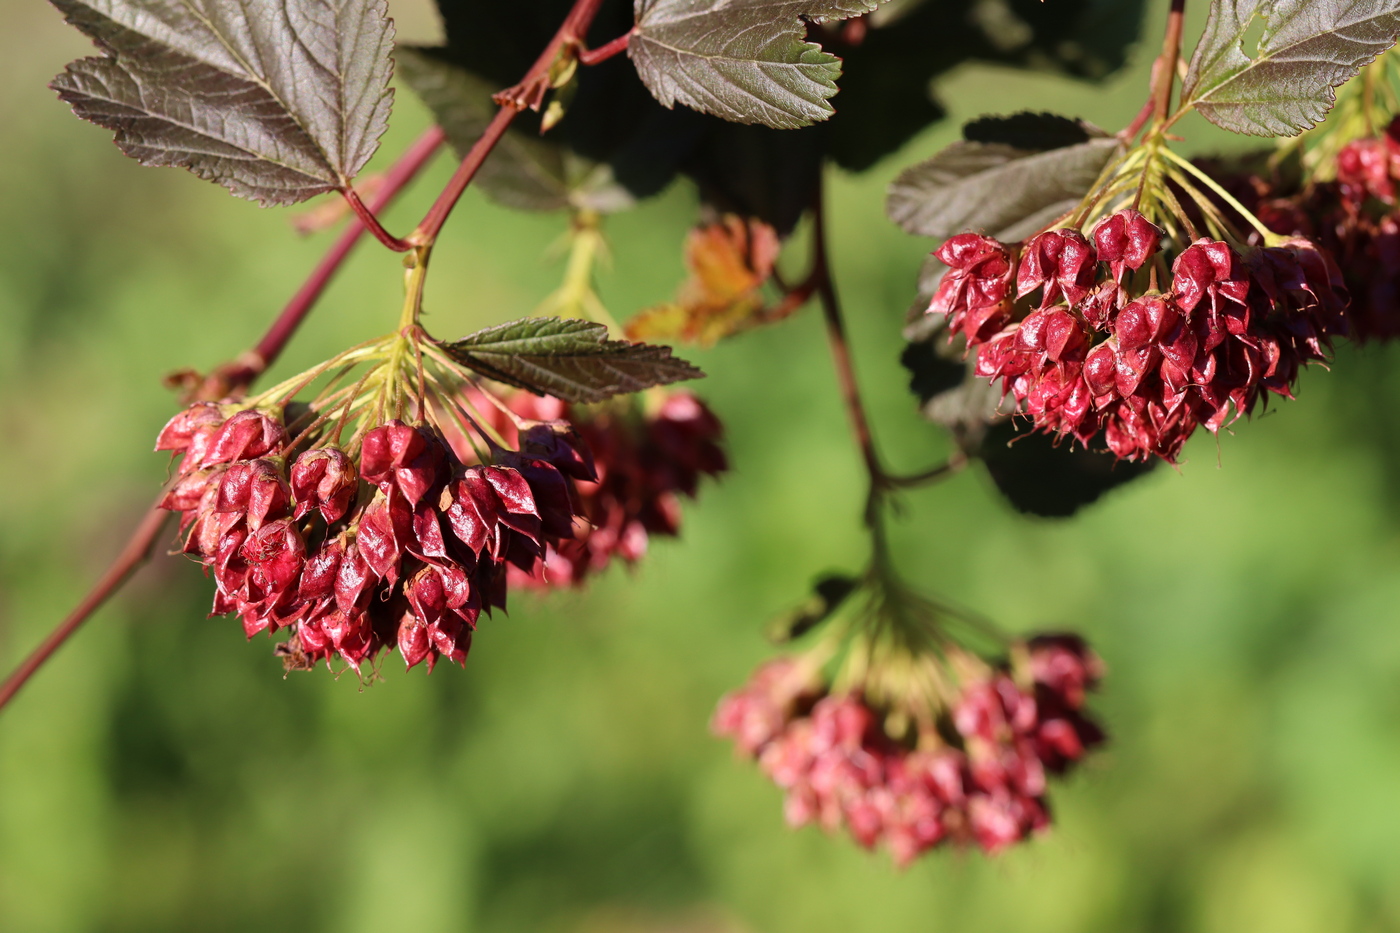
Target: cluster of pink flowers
x,y
978,778
643,463
1089,360
395,543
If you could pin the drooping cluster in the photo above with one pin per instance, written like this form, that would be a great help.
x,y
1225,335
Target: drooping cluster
x,y
391,541
1354,217
644,462
976,776
1064,322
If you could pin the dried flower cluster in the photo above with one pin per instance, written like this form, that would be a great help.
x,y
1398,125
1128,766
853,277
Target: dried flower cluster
x,y
978,777
393,542
1353,217
1093,359
644,463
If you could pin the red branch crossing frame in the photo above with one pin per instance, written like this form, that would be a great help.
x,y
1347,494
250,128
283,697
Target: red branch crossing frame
x,y
239,374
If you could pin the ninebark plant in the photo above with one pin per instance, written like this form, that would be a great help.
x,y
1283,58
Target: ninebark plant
x,y
1097,290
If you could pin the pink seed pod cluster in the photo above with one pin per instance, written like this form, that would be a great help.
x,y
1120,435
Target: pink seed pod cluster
x,y
1055,320
1354,218
395,543
979,778
1369,167
644,463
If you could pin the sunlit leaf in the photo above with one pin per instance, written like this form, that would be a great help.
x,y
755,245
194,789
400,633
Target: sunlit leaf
x,y
567,358
276,100
1283,83
744,60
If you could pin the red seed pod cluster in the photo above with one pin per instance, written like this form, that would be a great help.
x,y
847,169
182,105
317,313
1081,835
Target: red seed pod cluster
x,y
397,543
1055,320
1369,167
644,464
1354,218
979,778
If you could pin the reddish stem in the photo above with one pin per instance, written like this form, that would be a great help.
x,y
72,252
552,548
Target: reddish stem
x,y
1165,72
255,362
840,348
402,172
604,52
1139,121
427,232
247,368
528,93
133,555
372,223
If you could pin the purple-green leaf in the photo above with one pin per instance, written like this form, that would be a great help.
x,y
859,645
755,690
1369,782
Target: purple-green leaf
x,y
525,171
567,358
994,188
1283,83
276,100
744,60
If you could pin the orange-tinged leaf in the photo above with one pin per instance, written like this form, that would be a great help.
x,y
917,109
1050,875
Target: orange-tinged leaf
x,y
729,262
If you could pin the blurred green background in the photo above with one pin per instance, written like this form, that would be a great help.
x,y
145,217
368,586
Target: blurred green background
x,y
161,774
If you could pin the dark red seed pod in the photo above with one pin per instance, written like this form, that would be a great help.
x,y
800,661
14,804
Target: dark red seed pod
x,y
399,455
275,554
246,436
190,433
254,489
1059,262
324,480
1126,239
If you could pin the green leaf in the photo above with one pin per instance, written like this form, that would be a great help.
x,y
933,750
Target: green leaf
x,y
1283,84
568,358
276,100
995,189
524,171
744,60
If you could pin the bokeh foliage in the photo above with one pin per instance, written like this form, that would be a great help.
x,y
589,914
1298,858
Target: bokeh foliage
x,y
161,775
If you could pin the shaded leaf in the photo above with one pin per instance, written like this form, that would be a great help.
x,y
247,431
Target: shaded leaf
x,y
612,117
941,375
931,373
743,60
570,359
828,593
276,100
994,188
1034,132
759,172
886,95
525,171
887,78
1041,476
1283,84
729,261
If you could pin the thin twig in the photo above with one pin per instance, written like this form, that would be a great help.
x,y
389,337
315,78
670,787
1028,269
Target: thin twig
x,y
372,224
1165,71
237,375
840,347
132,555
529,93
604,52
